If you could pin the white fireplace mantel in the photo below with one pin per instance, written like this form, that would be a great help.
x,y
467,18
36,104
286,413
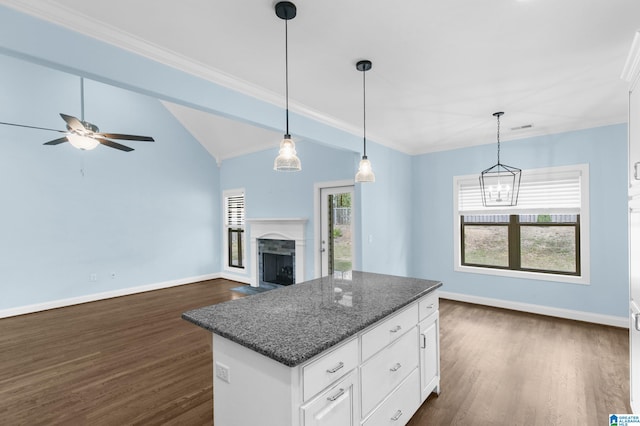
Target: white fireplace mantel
x,y
277,229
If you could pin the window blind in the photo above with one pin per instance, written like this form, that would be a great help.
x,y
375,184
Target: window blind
x,y
553,190
235,211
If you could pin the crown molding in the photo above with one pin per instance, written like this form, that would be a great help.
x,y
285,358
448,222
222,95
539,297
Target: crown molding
x,y
631,68
69,18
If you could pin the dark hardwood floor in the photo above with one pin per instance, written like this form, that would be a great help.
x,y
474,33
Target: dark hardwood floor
x,y
134,361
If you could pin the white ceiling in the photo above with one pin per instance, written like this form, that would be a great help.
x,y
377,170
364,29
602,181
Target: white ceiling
x,y
440,68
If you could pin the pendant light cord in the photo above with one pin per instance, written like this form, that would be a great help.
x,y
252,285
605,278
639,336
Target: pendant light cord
x,y
286,72
364,113
498,117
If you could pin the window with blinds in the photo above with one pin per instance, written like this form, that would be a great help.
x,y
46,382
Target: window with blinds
x,y
542,234
234,224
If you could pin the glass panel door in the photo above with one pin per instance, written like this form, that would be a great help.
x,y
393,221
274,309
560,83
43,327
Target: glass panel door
x,y
337,231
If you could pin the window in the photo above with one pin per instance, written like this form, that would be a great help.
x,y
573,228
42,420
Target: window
x,y
544,237
234,228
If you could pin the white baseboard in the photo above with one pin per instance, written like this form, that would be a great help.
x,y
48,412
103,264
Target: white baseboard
x,y
611,320
240,278
21,310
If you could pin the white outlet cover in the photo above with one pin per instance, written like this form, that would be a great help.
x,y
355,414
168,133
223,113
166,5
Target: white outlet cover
x,y
223,372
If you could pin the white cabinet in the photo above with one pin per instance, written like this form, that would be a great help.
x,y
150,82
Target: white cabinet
x,y
379,376
632,74
336,406
429,356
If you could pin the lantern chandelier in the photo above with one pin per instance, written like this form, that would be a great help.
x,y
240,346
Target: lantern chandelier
x,y
287,160
500,184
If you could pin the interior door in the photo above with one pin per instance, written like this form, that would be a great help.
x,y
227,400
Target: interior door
x,y
336,231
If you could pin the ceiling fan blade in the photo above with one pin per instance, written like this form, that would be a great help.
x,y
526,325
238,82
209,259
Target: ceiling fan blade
x,y
73,122
128,137
113,144
32,127
57,141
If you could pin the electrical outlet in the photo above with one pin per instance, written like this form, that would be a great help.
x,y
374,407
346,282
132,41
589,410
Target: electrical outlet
x,y
223,372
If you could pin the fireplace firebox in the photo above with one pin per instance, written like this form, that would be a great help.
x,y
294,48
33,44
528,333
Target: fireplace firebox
x,y
277,268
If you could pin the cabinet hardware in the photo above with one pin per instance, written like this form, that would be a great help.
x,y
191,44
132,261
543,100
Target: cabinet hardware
x,y
430,306
635,317
423,344
395,367
336,396
635,170
336,368
395,329
397,415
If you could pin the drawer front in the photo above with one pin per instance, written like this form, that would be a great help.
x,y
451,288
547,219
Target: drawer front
x,y
387,369
428,305
325,370
388,330
400,406
334,407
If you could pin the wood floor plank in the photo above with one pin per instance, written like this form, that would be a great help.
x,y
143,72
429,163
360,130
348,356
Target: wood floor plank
x,y
132,360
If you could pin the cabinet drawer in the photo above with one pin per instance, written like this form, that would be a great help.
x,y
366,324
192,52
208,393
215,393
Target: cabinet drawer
x,y
320,373
428,305
388,331
387,369
398,408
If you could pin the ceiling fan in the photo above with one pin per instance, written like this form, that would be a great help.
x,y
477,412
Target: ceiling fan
x,y
84,135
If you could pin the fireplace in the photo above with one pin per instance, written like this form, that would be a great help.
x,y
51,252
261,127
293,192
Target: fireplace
x,y
284,238
276,261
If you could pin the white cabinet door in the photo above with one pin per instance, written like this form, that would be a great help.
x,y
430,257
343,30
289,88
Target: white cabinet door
x,y
634,355
634,137
429,356
634,250
335,406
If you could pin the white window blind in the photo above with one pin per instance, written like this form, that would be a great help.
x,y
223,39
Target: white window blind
x,y
235,211
551,190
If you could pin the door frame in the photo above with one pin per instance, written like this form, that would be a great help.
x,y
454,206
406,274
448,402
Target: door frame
x,y
317,245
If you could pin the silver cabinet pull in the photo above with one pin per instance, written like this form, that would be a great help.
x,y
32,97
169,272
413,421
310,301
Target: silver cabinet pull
x,y
395,367
336,396
635,170
423,344
395,329
336,368
430,306
397,415
635,317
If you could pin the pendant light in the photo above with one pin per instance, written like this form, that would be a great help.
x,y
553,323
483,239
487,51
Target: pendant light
x,y
365,173
500,184
287,160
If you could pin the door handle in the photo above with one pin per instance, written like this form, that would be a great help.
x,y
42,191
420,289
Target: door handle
x,y
635,170
336,396
424,341
636,317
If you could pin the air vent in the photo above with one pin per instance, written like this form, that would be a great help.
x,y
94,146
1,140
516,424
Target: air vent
x,y
525,126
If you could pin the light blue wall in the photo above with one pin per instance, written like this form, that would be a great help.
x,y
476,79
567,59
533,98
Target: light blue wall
x,y
386,213
150,215
270,194
603,148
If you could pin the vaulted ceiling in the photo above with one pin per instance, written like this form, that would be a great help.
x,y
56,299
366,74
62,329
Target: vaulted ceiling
x,y
440,68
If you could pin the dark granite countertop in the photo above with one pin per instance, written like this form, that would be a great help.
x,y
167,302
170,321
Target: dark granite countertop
x,y
295,323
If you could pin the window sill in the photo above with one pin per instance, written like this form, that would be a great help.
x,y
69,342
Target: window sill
x,y
569,279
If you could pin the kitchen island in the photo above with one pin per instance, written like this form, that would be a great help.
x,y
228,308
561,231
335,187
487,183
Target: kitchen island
x,y
327,351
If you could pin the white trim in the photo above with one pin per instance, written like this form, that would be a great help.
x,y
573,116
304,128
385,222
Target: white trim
x,y
244,279
622,322
631,69
585,231
61,303
317,188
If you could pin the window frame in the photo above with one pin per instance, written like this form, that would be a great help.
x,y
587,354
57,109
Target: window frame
x,y
514,227
556,276
228,230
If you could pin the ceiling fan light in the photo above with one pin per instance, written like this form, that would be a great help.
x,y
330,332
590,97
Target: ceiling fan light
x,y
287,160
365,173
82,142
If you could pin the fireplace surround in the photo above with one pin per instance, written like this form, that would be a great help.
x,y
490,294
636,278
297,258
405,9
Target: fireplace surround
x,y
292,229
